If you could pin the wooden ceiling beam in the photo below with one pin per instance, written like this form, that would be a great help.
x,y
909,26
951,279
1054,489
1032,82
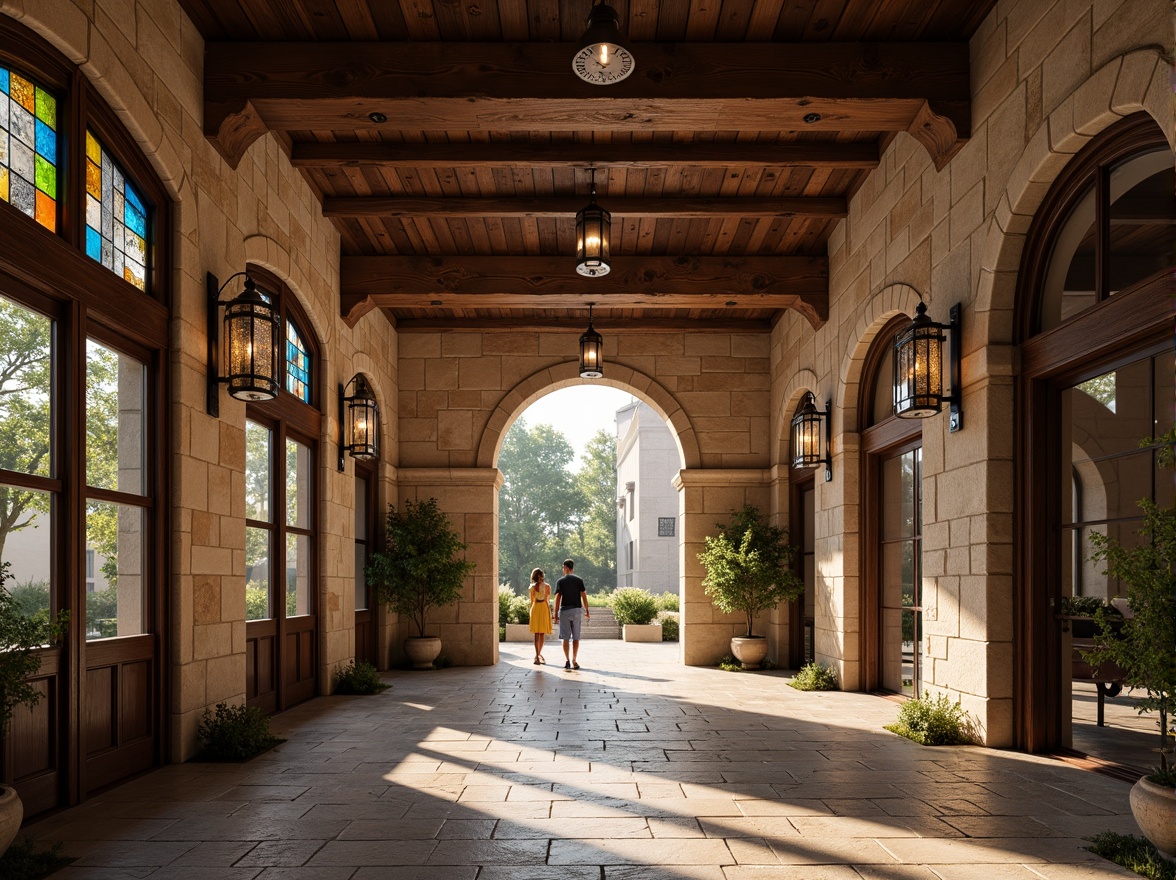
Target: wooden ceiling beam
x,y
525,323
862,156
550,282
566,208
922,88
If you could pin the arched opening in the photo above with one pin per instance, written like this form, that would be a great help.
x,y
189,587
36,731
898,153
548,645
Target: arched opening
x,y
1094,321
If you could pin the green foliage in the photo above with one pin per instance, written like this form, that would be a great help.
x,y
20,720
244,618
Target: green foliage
x,y
937,722
20,636
539,504
256,601
235,733
30,598
729,663
1133,853
443,662
633,605
669,602
359,678
1165,776
669,623
1084,606
593,542
23,861
512,608
599,600
749,566
815,677
1142,645
419,567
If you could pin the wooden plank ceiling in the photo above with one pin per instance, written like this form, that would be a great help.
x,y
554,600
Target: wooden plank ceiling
x,y
452,144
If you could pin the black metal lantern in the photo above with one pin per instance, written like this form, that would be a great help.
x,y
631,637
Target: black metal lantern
x,y
807,451
251,334
593,230
918,368
358,420
601,56
591,351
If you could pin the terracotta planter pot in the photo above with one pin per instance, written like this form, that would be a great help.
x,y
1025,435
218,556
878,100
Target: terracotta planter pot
x,y
750,650
11,814
422,651
1154,809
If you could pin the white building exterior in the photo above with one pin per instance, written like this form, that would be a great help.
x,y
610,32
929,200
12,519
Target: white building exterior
x,y
647,503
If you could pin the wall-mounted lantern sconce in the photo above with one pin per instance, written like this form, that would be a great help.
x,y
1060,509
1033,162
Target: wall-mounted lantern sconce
x,y
593,234
807,436
251,339
918,368
358,420
591,351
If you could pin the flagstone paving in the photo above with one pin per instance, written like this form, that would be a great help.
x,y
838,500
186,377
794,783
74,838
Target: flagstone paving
x,y
632,768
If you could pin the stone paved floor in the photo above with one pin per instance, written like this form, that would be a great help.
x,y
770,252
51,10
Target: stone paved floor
x,y
633,768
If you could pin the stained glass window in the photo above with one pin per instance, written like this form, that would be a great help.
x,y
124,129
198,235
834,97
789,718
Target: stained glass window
x,y
28,148
116,217
297,364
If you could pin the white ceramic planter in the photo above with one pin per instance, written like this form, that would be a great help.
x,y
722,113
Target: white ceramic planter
x,y
519,632
11,814
750,651
422,652
642,632
1154,809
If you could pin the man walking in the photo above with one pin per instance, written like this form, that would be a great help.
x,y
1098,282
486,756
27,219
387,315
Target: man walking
x,y
571,601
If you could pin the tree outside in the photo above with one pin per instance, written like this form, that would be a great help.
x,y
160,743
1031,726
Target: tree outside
x,y
594,543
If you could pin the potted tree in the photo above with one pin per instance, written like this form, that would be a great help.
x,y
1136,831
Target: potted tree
x,y
419,569
1143,644
749,570
20,637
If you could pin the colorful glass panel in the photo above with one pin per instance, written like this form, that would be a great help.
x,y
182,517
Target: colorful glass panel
x,y
28,148
297,364
116,217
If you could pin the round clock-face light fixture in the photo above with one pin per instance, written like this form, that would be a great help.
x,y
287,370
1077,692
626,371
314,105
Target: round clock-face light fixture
x,y
601,58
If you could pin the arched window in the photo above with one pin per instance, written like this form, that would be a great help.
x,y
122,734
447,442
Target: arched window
x,y
83,421
892,529
1097,379
281,521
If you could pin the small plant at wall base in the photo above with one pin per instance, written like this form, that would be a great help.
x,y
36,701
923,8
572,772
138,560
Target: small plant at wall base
x,y
1133,853
359,678
937,722
23,861
235,733
815,677
669,625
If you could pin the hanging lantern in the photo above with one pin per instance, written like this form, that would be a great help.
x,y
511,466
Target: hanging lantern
x,y
360,420
251,336
591,351
593,230
918,368
807,450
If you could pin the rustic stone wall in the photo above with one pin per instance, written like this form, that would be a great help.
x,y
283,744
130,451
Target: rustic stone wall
x,y
1046,77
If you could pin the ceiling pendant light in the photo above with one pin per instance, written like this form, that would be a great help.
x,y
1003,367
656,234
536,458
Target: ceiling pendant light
x,y
601,57
591,351
593,229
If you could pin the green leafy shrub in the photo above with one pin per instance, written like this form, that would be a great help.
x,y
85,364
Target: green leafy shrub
x,y
520,610
235,733
669,602
20,637
359,678
31,598
597,600
633,605
23,861
815,677
729,663
937,722
1134,854
749,566
506,597
669,623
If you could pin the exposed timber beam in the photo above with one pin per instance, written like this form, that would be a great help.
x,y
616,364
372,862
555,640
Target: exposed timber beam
x,y
799,283
566,208
922,88
524,324
588,155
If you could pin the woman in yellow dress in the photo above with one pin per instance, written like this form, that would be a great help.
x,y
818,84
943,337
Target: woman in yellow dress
x,y
540,594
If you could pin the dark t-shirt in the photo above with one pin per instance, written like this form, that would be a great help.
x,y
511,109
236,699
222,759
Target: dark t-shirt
x,y
570,586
